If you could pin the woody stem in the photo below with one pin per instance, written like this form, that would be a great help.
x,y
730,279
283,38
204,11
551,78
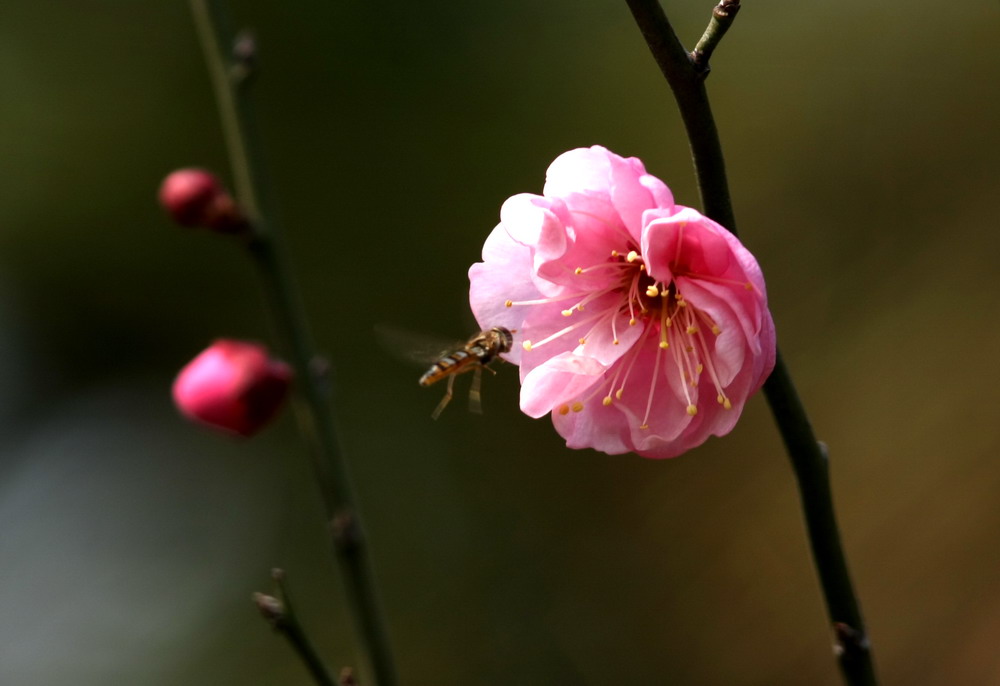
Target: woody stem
x,y
231,70
686,76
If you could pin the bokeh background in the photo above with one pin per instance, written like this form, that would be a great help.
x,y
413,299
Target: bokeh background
x,y
862,144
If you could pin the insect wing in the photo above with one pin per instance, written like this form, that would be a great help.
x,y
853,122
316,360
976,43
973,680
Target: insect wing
x,y
415,348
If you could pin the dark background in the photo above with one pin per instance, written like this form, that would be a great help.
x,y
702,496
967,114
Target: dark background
x,y
861,139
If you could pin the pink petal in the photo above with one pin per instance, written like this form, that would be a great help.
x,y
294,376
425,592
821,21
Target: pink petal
x,y
597,426
598,171
504,274
531,221
558,381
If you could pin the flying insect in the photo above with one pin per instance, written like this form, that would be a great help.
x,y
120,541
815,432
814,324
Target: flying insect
x,y
475,355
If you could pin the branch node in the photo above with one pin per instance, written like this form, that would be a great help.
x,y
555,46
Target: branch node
x,y
345,531
245,64
271,609
852,649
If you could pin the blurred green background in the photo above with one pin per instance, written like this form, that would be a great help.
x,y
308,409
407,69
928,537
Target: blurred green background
x,y
862,142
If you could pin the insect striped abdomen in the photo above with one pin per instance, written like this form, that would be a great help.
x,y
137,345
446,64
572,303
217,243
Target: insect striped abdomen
x,y
450,364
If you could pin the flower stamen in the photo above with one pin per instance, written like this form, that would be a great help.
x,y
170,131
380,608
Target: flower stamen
x,y
664,325
628,364
529,345
713,374
544,301
652,387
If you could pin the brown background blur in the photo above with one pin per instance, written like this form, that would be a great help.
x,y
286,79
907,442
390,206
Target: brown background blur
x,y
862,145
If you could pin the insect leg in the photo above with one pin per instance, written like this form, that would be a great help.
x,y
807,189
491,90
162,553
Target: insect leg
x,y
475,396
445,400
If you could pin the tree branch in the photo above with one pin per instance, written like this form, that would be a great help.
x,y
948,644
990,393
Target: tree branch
x,y
232,69
280,614
685,76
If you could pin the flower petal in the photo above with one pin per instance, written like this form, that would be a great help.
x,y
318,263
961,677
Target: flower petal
x,y
558,381
598,171
596,426
532,221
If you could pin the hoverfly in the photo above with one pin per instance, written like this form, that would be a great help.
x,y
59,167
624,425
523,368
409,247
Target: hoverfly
x,y
476,354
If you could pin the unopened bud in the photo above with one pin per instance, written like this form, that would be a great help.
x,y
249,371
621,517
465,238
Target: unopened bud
x,y
195,197
233,386
270,608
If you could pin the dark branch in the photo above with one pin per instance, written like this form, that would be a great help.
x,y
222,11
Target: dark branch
x,y
685,74
692,101
278,611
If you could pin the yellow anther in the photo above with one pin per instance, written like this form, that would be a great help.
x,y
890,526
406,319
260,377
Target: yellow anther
x,y
727,405
616,341
567,313
692,410
526,345
748,286
716,330
652,291
700,368
607,400
618,393
509,303
580,307
692,329
642,267
632,256
631,322
664,345
689,348
577,406
578,270
614,253
682,303
644,427
668,322
582,341
564,409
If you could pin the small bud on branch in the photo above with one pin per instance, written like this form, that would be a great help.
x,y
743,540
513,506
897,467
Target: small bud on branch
x,y
195,197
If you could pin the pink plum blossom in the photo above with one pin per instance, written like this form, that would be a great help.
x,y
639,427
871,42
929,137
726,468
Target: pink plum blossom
x,y
232,385
640,325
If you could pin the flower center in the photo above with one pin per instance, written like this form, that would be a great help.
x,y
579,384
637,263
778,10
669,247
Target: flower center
x,y
681,335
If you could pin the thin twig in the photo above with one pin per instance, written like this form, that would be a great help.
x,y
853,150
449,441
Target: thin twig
x,y
722,18
231,73
280,614
692,101
807,455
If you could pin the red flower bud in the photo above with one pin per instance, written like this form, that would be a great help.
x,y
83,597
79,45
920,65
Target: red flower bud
x,y
195,197
233,386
